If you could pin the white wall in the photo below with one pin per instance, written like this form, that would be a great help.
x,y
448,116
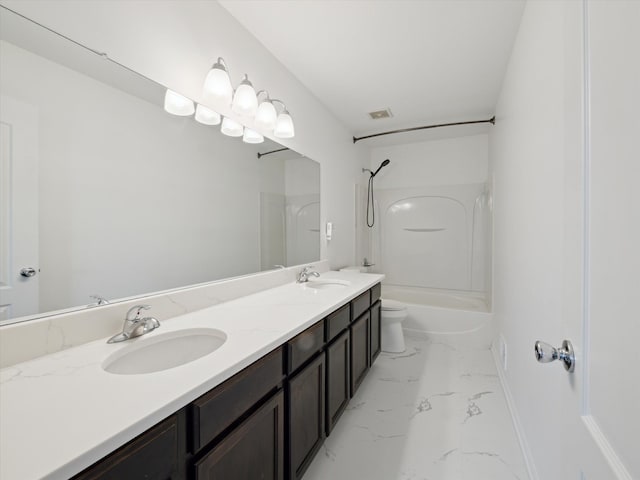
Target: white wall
x,y
175,43
450,161
527,154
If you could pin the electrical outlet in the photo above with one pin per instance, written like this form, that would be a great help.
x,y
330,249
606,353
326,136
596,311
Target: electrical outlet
x,y
502,347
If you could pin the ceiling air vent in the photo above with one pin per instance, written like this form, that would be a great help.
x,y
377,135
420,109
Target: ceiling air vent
x,y
378,114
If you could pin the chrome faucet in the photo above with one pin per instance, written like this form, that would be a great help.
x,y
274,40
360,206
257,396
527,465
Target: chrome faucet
x,y
303,276
134,326
99,300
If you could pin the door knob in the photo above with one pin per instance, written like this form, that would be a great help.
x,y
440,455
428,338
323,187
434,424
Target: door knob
x,y
28,272
545,353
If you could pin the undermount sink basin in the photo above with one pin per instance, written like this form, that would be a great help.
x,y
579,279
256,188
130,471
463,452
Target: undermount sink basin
x,y
327,284
164,351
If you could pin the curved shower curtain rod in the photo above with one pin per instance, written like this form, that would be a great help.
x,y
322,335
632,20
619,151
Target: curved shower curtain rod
x,y
272,151
492,121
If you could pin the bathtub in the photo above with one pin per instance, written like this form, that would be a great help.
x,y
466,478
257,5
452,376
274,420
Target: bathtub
x,y
459,319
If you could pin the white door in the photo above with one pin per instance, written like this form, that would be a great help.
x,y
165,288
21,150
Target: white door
x,y
602,397
19,209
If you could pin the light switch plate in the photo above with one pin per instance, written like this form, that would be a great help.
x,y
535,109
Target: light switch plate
x,y
329,230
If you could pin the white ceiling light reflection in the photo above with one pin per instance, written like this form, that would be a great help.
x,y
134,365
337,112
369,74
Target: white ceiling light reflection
x,y
251,136
206,116
176,104
231,128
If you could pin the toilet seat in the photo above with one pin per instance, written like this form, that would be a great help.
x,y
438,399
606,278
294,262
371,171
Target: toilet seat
x,y
392,306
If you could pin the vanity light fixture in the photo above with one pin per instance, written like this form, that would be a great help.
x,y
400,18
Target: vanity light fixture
x,y
251,136
206,116
217,84
245,101
177,104
284,123
266,114
231,128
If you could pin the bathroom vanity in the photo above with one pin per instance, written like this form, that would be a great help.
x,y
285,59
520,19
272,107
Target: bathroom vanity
x,y
259,406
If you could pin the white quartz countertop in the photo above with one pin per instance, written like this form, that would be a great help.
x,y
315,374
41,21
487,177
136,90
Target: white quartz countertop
x,y
62,412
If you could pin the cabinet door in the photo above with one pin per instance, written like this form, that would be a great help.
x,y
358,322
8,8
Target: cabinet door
x,y
306,404
376,312
359,351
338,372
151,456
234,397
254,450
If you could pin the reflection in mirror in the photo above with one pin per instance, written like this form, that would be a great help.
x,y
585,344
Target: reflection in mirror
x,y
104,193
289,210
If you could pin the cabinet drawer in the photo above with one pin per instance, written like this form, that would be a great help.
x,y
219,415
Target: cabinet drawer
x,y
376,293
254,450
337,322
360,304
215,411
303,346
151,456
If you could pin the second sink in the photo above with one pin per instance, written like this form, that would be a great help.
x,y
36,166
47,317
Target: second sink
x,y
327,284
164,351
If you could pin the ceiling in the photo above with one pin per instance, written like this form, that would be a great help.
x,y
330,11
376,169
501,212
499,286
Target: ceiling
x,y
429,61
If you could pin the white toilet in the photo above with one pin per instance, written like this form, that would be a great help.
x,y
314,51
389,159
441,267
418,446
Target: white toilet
x,y
392,337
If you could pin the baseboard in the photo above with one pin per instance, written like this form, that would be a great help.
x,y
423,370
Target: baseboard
x,y
524,446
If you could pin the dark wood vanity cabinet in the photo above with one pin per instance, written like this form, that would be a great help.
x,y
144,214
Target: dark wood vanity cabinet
x,y
306,416
154,455
234,397
376,325
253,450
360,348
267,421
304,346
338,378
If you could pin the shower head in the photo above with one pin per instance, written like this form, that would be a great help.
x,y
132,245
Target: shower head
x,y
383,164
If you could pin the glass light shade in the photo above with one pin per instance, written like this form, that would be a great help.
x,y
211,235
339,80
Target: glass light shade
x,y
251,136
284,126
231,128
207,116
245,101
217,85
176,104
266,115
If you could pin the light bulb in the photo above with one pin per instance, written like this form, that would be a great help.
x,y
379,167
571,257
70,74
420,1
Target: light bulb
x,y
266,115
217,85
284,126
245,101
231,128
207,116
176,104
251,136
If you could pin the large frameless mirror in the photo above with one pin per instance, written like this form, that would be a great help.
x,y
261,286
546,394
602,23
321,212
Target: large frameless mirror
x,y
104,193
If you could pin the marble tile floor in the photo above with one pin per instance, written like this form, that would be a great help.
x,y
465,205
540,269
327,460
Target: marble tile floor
x,y
434,412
